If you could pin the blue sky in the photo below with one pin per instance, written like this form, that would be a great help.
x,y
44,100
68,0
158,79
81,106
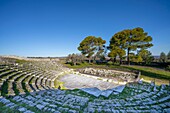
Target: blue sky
x,y
56,27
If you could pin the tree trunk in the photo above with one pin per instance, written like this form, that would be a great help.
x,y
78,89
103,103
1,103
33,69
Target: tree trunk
x,y
128,59
89,60
114,60
94,59
120,61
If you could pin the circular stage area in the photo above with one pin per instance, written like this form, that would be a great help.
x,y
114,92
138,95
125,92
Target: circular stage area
x,y
73,81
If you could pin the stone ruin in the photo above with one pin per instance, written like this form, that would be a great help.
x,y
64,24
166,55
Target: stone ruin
x,y
29,88
113,74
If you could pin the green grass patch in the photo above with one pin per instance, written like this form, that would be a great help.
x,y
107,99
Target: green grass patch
x,y
78,92
150,71
25,89
4,89
157,81
82,65
58,84
20,61
15,88
4,109
145,70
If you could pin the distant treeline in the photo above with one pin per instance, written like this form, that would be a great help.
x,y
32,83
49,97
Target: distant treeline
x,y
44,57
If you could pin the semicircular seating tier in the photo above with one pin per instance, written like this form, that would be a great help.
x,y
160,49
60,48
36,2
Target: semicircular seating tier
x,y
20,78
136,98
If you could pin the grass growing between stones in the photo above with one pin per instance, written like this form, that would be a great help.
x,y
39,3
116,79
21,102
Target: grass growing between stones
x,y
15,89
4,89
127,92
7,74
4,109
78,92
25,89
34,109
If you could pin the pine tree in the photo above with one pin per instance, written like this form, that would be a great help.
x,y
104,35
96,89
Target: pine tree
x,y
92,46
138,39
163,57
168,56
130,40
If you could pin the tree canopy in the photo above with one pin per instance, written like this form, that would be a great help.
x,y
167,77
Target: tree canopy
x,y
163,57
146,56
130,40
117,45
168,55
92,46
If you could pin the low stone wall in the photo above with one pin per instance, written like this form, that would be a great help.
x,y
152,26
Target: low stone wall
x,y
113,74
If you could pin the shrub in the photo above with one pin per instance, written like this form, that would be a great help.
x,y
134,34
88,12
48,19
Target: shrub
x,y
168,68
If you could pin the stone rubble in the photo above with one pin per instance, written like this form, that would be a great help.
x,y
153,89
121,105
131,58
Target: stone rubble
x,y
124,76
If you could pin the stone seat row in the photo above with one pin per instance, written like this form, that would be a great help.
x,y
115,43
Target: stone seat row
x,y
79,103
57,101
36,78
12,105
